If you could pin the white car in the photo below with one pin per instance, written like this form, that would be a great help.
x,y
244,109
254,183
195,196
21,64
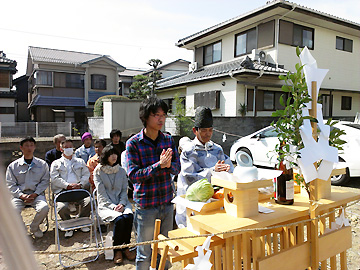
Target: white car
x,y
260,145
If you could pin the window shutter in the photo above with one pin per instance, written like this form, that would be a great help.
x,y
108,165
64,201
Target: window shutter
x,y
266,33
286,32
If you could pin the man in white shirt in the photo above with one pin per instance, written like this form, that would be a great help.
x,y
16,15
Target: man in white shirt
x,y
68,173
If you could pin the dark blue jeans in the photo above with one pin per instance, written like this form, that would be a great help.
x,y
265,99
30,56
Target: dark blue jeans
x,y
122,229
144,226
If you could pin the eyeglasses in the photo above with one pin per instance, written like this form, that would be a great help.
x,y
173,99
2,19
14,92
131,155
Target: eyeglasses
x,y
159,116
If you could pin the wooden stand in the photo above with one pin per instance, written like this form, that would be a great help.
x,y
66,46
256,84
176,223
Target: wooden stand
x,y
241,199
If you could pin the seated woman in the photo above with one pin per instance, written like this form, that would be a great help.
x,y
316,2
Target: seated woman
x,y
111,183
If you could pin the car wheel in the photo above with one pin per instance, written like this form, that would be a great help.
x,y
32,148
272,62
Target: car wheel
x,y
338,180
247,151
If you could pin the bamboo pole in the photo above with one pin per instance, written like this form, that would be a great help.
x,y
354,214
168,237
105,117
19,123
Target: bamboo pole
x,y
314,237
155,246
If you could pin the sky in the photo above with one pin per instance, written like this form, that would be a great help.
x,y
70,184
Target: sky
x,y
132,31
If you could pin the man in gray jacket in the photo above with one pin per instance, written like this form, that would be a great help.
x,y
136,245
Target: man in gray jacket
x,y
27,179
68,173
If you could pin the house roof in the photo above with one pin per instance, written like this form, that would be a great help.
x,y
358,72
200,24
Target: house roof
x,y
230,68
40,100
131,72
65,57
9,64
94,95
168,64
269,6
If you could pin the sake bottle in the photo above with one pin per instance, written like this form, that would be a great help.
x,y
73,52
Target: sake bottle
x,y
284,186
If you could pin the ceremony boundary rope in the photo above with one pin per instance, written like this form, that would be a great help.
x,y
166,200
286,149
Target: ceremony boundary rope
x,y
195,236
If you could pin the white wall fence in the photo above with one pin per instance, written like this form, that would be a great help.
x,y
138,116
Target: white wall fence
x,y
35,129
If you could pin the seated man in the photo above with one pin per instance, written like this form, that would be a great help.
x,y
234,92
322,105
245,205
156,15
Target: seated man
x,y
199,158
27,179
87,150
54,153
67,173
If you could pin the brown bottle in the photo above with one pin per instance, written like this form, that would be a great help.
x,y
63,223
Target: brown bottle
x,y
284,186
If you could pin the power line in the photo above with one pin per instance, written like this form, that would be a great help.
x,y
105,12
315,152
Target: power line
x,y
86,40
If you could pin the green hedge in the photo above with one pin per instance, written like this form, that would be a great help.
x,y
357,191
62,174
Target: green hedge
x,y
98,107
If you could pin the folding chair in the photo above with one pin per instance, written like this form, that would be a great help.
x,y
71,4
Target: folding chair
x,y
75,223
101,222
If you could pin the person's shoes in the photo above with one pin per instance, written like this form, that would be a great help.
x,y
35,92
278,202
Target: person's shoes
x,y
118,257
85,229
69,234
38,233
129,254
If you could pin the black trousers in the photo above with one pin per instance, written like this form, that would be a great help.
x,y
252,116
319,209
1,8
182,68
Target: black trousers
x,y
122,229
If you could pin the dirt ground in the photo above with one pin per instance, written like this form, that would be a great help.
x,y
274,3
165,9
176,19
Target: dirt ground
x,y
80,239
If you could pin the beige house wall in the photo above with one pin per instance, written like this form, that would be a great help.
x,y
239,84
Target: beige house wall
x,y
355,106
112,78
228,102
343,66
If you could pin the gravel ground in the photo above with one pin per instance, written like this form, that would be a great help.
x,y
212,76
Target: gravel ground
x,y
52,261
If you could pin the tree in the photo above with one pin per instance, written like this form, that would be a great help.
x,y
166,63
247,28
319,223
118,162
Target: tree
x,y
145,86
183,123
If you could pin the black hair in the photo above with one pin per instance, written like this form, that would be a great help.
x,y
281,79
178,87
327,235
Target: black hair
x,y
115,132
101,141
27,139
65,141
151,105
106,153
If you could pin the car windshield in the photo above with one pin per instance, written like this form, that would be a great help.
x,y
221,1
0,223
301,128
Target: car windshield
x,y
270,132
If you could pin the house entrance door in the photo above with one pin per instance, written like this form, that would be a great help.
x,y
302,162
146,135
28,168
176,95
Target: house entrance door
x,y
326,105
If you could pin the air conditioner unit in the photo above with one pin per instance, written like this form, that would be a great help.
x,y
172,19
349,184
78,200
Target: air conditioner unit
x,y
257,55
193,66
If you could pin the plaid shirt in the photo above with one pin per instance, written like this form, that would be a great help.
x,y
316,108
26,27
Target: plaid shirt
x,y
152,185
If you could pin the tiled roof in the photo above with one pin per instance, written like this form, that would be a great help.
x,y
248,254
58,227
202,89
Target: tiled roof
x,y
269,5
10,64
64,57
94,95
40,100
219,70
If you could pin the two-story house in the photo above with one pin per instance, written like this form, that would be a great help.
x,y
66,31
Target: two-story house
x,y
238,61
64,85
7,96
167,70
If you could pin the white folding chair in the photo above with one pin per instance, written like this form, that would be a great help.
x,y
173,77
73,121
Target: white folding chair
x,y
75,223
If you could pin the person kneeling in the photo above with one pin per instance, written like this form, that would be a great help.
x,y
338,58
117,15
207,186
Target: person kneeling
x,y
111,183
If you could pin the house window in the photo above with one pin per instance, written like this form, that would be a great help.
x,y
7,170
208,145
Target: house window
x,y
265,100
209,99
296,35
212,53
44,78
344,44
4,79
7,110
74,80
269,102
98,82
245,42
346,103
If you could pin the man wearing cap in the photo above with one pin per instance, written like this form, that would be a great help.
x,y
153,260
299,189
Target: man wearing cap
x,y
199,158
87,150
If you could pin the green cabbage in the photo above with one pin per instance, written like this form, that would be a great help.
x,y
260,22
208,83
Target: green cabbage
x,y
200,191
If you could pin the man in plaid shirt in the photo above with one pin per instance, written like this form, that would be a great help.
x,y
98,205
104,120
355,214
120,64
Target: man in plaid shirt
x,y
151,159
